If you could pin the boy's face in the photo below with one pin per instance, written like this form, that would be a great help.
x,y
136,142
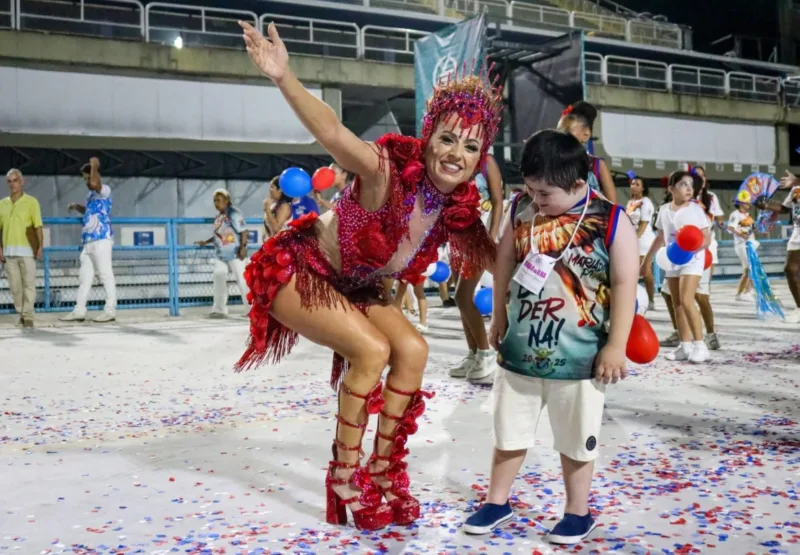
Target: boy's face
x,y
553,201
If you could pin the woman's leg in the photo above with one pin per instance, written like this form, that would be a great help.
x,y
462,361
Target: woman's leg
x,y
649,280
349,333
688,291
422,301
400,295
404,403
388,285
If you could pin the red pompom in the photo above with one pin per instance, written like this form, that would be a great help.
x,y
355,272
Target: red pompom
x,y
642,342
689,238
323,179
284,275
709,260
284,258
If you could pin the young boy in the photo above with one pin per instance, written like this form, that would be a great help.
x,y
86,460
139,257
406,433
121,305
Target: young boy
x,y
566,248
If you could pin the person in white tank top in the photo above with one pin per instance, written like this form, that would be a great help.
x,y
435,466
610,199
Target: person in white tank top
x,y
640,210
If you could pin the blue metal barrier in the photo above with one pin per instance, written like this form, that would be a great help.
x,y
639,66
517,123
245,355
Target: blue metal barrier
x,y
171,275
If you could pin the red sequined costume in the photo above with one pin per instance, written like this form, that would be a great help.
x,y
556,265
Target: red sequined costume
x,y
400,240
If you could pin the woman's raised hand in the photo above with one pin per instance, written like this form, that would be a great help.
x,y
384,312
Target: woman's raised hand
x,y
268,54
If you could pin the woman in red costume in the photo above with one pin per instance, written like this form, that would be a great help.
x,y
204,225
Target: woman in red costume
x,y
322,278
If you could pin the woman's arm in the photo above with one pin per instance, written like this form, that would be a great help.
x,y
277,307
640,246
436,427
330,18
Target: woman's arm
x,y
360,157
495,181
607,182
641,229
275,222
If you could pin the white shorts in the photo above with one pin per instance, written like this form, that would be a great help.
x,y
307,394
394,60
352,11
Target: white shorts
x,y
645,242
703,288
794,241
575,408
713,248
444,253
692,268
741,252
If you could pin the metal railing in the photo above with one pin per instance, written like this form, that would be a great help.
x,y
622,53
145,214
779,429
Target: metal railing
x,y
316,37
164,22
527,14
117,19
8,14
195,25
389,45
633,73
166,271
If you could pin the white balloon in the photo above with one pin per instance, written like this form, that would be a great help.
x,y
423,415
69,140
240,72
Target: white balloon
x,y
431,269
487,280
642,300
663,261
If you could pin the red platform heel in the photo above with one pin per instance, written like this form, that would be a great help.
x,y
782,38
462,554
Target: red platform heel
x,y
374,513
405,508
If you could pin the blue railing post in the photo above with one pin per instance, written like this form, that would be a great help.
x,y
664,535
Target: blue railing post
x,y
173,268
46,262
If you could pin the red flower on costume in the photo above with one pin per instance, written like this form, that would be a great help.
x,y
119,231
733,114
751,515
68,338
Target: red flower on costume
x,y
413,173
402,149
305,221
372,246
462,207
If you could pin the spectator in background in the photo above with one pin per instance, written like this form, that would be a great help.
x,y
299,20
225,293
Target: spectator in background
x,y
342,182
230,243
304,205
277,209
20,241
98,244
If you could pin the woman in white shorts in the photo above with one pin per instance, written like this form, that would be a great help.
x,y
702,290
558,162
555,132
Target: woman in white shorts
x,y
740,223
684,280
640,210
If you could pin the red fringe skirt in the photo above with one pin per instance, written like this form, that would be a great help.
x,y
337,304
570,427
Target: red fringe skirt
x,y
295,253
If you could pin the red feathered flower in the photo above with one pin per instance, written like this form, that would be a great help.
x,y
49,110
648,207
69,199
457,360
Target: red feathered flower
x,y
372,246
462,207
401,149
413,173
304,222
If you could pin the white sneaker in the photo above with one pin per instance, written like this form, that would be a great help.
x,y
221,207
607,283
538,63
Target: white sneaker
x,y
73,317
651,306
421,328
792,316
678,354
745,298
483,367
461,370
104,318
699,353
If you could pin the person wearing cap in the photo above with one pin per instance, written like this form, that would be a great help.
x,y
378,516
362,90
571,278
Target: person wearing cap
x,y
230,244
98,244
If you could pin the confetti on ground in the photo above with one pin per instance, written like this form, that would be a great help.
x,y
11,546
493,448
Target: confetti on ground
x,y
139,439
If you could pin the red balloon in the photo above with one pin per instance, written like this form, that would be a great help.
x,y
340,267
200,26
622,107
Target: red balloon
x,y
323,179
689,238
709,260
642,342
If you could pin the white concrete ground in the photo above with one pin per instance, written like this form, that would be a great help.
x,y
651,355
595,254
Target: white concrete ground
x,y
138,438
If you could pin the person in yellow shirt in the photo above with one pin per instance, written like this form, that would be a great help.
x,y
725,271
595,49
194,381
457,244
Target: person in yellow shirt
x,y
20,241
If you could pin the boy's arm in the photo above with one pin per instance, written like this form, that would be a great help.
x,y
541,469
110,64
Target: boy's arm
x,y
503,268
624,262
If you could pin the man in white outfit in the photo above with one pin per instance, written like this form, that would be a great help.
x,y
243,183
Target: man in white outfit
x,y
98,243
230,243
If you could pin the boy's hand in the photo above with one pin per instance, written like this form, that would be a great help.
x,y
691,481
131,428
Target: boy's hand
x,y
497,330
611,365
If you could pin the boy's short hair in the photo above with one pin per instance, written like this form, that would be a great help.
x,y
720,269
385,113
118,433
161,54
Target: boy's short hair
x,y
556,158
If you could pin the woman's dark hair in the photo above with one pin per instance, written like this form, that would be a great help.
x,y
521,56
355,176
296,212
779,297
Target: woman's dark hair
x,y
348,175
276,182
556,158
699,192
645,188
581,111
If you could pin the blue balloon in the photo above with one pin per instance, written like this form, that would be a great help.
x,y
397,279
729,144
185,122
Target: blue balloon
x,y
677,255
631,174
295,182
304,205
483,301
441,274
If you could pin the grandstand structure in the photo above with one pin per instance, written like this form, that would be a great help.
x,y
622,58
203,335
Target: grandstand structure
x,y
222,127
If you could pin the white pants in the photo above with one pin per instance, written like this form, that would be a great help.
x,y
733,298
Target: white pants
x,y
221,283
96,259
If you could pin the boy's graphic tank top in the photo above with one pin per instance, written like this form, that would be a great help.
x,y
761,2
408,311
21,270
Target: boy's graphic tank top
x,y
557,333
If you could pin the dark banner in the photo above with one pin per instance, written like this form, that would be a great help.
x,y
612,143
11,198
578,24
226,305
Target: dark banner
x,y
539,91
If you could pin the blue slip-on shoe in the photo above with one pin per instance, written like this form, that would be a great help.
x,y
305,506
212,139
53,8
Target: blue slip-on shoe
x,y
488,517
572,529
